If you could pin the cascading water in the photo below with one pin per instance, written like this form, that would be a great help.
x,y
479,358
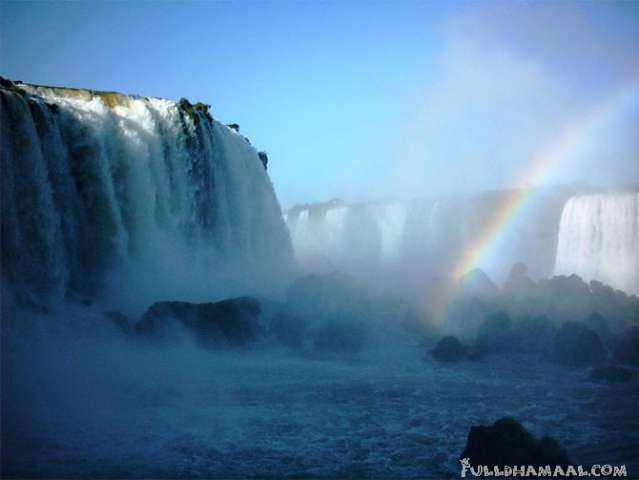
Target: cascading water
x,y
391,219
599,239
416,241
103,193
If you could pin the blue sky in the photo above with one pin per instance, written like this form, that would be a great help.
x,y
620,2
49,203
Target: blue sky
x,y
360,100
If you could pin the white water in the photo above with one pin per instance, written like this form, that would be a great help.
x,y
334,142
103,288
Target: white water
x,y
417,239
413,242
599,240
131,198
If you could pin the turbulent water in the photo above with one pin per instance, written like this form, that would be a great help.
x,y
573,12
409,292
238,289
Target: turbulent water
x,y
102,189
139,411
599,239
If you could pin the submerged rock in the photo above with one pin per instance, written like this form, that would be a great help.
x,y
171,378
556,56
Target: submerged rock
x,y
578,346
507,442
234,321
450,349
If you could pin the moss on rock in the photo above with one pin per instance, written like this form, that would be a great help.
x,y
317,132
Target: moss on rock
x,y
192,109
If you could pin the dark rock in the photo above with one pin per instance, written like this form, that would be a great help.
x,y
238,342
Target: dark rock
x,y
233,322
120,321
449,349
234,126
264,159
518,283
192,109
578,346
477,284
569,296
495,334
626,347
11,86
620,310
612,374
499,333
507,442
533,334
598,324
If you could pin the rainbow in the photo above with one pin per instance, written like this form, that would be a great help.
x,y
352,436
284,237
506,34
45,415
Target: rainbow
x,y
566,146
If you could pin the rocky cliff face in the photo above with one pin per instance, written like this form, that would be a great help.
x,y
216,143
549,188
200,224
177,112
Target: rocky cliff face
x,y
561,232
109,192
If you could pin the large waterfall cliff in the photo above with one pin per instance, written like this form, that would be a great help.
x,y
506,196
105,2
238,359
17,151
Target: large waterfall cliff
x,y
408,243
104,192
423,238
599,239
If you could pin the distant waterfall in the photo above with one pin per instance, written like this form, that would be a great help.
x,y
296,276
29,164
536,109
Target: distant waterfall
x,y
599,239
594,236
155,192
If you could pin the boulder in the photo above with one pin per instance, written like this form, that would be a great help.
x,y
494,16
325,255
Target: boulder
x,y
578,346
619,309
569,296
527,334
598,324
264,159
234,126
495,333
477,284
507,442
518,283
232,322
534,334
450,349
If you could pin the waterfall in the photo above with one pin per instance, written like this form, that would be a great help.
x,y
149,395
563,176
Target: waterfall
x,y
563,232
103,193
599,239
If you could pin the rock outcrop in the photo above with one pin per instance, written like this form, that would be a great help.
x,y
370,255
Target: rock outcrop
x,y
450,349
232,322
507,442
626,347
576,345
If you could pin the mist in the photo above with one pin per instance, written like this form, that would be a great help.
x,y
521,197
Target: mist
x,y
318,240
